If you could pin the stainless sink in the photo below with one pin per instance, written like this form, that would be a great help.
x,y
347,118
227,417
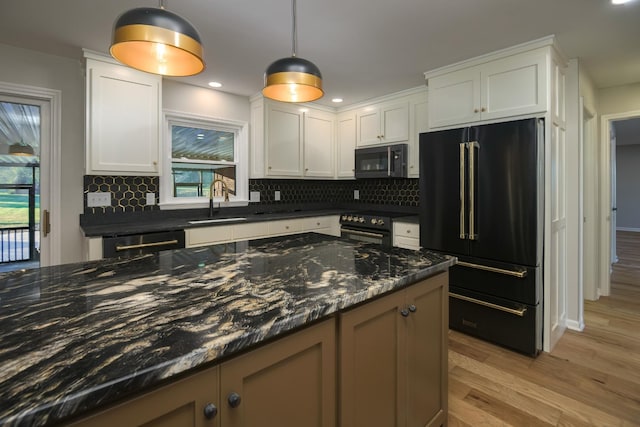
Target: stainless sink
x,y
214,220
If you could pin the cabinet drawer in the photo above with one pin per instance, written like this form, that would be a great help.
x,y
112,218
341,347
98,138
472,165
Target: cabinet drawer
x,y
250,231
285,227
208,235
406,235
406,242
318,223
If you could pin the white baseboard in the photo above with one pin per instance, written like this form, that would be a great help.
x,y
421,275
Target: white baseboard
x,y
637,230
575,325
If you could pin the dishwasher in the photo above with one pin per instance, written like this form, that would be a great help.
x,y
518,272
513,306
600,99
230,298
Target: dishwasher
x,y
143,243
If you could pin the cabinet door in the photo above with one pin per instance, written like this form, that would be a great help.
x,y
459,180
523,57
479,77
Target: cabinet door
x,y
419,123
346,145
285,227
427,352
514,86
284,140
454,98
202,236
395,122
319,143
123,120
372,372
368,132
180,404
288,383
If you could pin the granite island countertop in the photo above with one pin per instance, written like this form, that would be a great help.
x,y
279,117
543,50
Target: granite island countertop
x,y
79,336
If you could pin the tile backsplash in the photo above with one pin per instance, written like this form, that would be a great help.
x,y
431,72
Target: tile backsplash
x,y
128,193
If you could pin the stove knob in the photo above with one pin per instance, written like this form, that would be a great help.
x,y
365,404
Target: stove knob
x,y
374,221
344,217
349,218
361,220
380,222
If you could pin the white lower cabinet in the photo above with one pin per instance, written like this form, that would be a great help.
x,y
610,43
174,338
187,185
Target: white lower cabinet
x,y
406,235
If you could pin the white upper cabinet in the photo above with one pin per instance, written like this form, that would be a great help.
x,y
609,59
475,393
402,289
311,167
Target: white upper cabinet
x,y
299,142
123,114
419,123
345,163
319,144
383,124
503,87
283,140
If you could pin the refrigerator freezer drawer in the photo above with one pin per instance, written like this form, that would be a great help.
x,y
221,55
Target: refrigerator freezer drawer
x,y
516,283
512,325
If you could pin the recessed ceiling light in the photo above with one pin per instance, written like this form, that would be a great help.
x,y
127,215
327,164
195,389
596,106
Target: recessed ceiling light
x,y
620,1
337,100
215,84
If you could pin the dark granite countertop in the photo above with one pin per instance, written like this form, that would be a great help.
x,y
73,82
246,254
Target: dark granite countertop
x,y
78,336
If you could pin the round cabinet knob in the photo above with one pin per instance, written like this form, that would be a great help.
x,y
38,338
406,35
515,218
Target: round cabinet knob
x,y
483,109
413,308
210,411
404,312
475,110
234,399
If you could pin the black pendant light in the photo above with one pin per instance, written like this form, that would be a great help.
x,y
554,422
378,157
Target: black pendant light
x,y
157,41
293,79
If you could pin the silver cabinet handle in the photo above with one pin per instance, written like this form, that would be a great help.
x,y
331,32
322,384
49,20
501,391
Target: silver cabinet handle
x,y
463,231
519,312
146,245
516,273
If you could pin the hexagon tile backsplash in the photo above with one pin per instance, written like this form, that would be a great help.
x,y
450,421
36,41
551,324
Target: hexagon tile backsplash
x,y
128,193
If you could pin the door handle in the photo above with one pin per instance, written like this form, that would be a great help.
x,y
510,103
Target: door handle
x,y
472,188
46,224
517,312
463,231
146,245
515,273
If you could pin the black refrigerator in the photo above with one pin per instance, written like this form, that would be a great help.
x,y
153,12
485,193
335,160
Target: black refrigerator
x,y
481,199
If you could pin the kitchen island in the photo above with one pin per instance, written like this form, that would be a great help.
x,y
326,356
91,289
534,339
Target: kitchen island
x,y
81,337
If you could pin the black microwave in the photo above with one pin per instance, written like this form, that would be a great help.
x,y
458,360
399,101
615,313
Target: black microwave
x,y
389,161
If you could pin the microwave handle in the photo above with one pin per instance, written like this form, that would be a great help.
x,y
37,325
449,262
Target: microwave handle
x,y
388,161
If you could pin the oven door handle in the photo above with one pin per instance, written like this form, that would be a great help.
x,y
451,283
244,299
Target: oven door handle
x,y
362,233
145,245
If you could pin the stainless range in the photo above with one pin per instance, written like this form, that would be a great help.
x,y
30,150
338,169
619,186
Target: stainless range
x,y
370,227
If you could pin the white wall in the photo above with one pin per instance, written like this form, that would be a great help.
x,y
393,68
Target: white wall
x,y
202,101
628,177
26,67
619,99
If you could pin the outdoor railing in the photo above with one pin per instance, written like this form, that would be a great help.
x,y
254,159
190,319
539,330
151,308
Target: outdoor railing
x,y
14,244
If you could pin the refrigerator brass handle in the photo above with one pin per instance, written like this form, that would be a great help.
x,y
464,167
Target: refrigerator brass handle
x,y
146,245
463,231
472,190
363,233
519,312
516,273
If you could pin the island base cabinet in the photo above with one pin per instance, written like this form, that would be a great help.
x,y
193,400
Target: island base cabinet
x,y
393,359
179,404
288,383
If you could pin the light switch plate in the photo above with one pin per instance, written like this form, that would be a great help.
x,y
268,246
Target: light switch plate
x,y
151,199
356,194
276,196
98,199
254,196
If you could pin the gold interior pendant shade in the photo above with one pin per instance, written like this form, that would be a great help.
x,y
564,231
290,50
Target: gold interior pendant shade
x,y
157,41
293,79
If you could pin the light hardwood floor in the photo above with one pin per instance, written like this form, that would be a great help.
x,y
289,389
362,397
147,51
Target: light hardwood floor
x,y
591,378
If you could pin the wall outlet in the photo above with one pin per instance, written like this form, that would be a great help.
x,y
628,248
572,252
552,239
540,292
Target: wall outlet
x,y
151,199
254,196
276,196
356,194
98,199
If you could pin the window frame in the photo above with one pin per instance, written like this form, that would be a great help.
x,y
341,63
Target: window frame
x,y
241,156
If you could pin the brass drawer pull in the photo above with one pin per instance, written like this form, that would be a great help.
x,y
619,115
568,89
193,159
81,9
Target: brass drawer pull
x,y
519,312
146,245
519,274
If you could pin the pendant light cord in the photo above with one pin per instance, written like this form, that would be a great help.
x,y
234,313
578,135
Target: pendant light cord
x,y
294,32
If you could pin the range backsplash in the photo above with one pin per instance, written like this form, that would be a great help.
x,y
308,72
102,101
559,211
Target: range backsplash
x,y
128,193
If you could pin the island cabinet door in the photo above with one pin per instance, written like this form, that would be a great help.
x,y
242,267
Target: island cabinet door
x,y
427,351
190,402
290,382
372,370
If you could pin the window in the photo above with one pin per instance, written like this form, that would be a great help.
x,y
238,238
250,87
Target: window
x,y
202,151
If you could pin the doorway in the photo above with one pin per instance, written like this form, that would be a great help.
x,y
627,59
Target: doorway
x,y
30,175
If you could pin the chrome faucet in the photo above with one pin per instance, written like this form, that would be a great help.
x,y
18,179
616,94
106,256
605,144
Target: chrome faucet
x,y
225,192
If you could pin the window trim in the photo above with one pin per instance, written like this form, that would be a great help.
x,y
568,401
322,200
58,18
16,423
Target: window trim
x,y
241,128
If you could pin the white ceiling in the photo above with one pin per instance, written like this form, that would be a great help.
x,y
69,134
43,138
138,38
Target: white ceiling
x,y
364,48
